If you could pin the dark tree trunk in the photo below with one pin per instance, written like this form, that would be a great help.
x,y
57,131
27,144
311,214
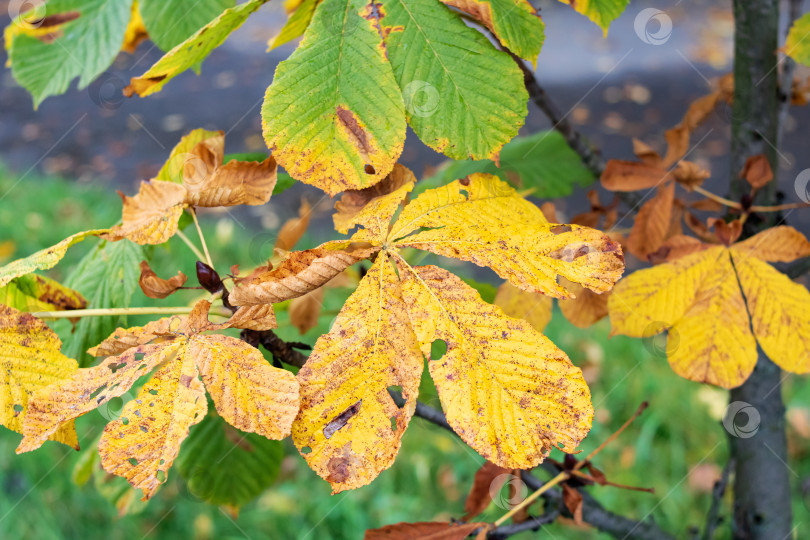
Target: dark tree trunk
x,y
761,475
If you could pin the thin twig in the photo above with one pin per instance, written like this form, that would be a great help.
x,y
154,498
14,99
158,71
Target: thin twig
x,y
562,476
718,491
104,312
612,437
531,524
717,198
190,244
202,237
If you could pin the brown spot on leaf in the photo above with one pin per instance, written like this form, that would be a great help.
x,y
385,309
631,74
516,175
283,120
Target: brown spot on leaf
x,y
341,420
560,229
354,129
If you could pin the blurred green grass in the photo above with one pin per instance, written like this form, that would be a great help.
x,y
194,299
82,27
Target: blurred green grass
x,y
679,433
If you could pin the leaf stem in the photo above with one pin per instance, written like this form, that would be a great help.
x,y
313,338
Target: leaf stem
x,y
717,198
191,245
103,312
202,238
561,477
754,208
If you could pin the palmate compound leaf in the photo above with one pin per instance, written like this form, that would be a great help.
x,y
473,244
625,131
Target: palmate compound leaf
x,y
495,227
699,300
448,101
142,444
348,429
507,390
30,359
152,216
193,50
321,120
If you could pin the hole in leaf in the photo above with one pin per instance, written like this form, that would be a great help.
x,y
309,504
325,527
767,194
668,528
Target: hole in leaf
x,y
437,349
133,461
115,367
162,461
393,423
97,391
306,450
17,409
139,356
398,390
369,169
125,420
153,392
464,193
161,476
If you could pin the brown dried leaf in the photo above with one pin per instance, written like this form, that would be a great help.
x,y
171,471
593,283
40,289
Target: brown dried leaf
x,y
299,273
587,308
646,154
550,211
652,223
483,488
305,310
690,174
676,247
151,216
424,531
757,171
236,182
293,229
257,317
126,338
155,287
573,501
727,233
631,176
677,144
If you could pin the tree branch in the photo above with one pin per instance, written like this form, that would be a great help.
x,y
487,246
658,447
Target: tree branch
x,y
761,481
532,524
593,513
718,491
